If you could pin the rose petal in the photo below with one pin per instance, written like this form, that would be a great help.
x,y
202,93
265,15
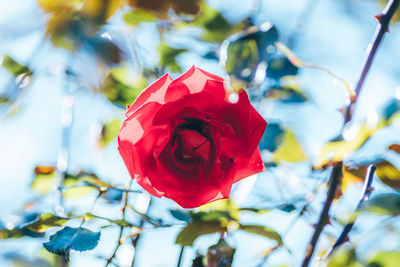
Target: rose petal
x,y
153,93
247,124
246,167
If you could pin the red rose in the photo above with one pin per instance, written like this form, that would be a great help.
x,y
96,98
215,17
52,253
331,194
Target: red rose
x,y
184,140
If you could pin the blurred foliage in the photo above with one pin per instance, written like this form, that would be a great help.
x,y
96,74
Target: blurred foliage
x,y
191,7
290,149
218,217
388,203
13,66
109,131
119,89
254,59
168,57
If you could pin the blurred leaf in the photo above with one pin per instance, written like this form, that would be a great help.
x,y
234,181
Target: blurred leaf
x,y
262,231
45,222
280,67
112,195
79,239
65,29
100,10
121,223
105,49
180,215
33,226
162,6
57,5
335,151
134,17
220,254
259,211
44,179
13,66
194,229
395,148
290,149
246,54
21,260
81,184
343,257
388,174
385,259
287,94
216,27
168,57
352,175
388,204
117,88
223,209
391,109
109,132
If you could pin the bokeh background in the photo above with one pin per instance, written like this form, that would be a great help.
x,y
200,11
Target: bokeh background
x,y
64,88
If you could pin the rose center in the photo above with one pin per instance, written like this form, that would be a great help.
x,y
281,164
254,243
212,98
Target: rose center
x,y
190,147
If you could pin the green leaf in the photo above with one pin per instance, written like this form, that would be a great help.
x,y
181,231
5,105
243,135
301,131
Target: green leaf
x,y
109,132
119,89
343,257
79,239
388,174
134,17
13,66
262,231
290,149
45,222
387,204
287,94
243,52
105,49
280,67
193,230
44,179
385,259
168,56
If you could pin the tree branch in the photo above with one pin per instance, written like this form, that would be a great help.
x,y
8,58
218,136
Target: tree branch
x,y
336,175
364,196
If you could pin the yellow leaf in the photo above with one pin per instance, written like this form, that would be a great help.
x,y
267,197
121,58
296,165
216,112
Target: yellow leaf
x,y
290,149
388,174
335,151
100,9
352,176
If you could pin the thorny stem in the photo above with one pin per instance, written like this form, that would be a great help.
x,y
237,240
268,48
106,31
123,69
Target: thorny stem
x,y
121,228
383,26
364,196
334,181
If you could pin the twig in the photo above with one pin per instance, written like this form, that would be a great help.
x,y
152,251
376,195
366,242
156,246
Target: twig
x,y
334,181
180,256
383,26
364,196
121,228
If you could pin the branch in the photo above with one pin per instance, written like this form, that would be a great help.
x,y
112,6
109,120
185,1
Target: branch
x,y
383,26
334,181
364,196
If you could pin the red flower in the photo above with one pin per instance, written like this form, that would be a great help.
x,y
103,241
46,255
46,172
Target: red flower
x,y
184,140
